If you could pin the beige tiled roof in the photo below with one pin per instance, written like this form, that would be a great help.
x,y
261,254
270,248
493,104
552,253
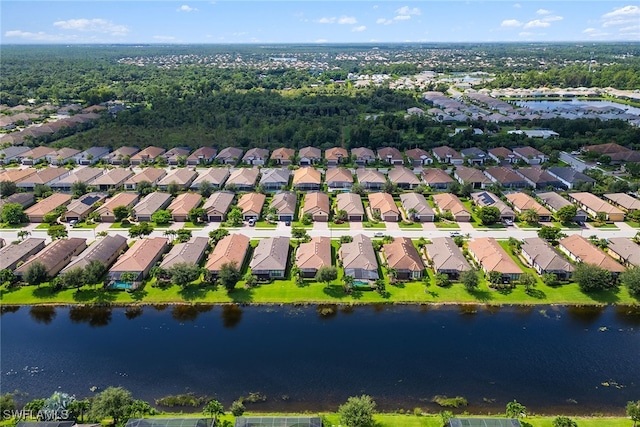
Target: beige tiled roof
x,y
523,202
308,175
316,202
383,202
49,204
589,253
140,255
492,256
230,249
402,255
184,202
314,254
251,202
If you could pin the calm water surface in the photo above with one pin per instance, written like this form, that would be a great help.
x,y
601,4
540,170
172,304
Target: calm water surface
x,y
577,360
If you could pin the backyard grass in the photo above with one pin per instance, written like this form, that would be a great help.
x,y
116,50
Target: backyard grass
x,y
441,224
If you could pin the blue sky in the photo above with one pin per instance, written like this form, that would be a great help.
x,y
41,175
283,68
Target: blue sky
x,y
66,22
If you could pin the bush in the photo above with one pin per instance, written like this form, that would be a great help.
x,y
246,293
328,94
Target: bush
x,y
358,411
237,408
450,402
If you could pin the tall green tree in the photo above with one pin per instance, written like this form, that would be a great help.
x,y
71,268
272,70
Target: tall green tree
x,y
633,411
94,271
488,215
515,409
564,422
7,188
183,273
113,402
358,411
631,279
566,213
35,274
73,278
214,409
121,212
470,279
229,275
13,213
591,278
326,274
162,217
57,231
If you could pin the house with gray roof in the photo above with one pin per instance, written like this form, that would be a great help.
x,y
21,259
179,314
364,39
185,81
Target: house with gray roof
x,y
363,156
183,177
570,177
55,256
274,179
416,207
270,258
446,257
150,204
229,155
309,156
624,250
359,259
202,155
472,176
390,155
474,155
106,250
538,178
256,156
530,155
175,155
418,157
11,255
351,203
485,198
121,155
11,153
285,204
555,202
81,207
214,176
505,177
191,252
85,175
91,156
217,205
545,259
23,199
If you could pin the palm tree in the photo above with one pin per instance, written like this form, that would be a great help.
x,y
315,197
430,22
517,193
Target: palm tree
x,y
393,274
171,234
347,281
23,234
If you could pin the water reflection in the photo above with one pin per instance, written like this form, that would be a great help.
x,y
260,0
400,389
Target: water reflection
x,y
585,315
133,312
327,311
231,316
160,307
628,314
347,309
94,316
8,309
189,313
42,313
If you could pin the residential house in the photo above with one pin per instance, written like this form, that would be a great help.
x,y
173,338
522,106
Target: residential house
x,y
256,156
536,133
359,259
139,259
274,179
285,204
418,157
416,207
307,179
16,175
403,178
317,204
243,179
624,250
121,156
84,175
436,179
580,249
545,259
402,256
447,154
339,179
183,177
177,156
313,255
593,205
13,153
530,155
363,156
282,156
555,202
190,252
231,249
81,207
538,178
62,156
106,250
23,199
229,155
623,201
182,205
202,156
473,176
55,256
309,156
37,212
485,198
147,155
351,203
522,202
616,152
214,176
217,205
12,255
569,177
383,206
446,257
36,155
371,179
505,177
46,176
390,155
150,204
502,155
474,155
251,205
492,257
150,175
105,211
113,179
270,258
415,111
447,202
336,156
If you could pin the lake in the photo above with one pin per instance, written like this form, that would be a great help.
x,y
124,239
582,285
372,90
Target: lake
x,y
552,359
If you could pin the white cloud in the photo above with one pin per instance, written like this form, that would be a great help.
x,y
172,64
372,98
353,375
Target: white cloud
x,y
186,8
347,20
166,38
589,30
536,23
402,18
542,12
383,21
622,16
375,6
358,29
552,18
39,36
406,10
517,5
511,23
331,20
93,25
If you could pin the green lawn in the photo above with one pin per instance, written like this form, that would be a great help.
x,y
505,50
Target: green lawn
x,y
190,224
569,225
633,224
414,225
603,225
85,225
344,225
42,226
368,224
120,225
441,224
299,224
5,226
265,224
